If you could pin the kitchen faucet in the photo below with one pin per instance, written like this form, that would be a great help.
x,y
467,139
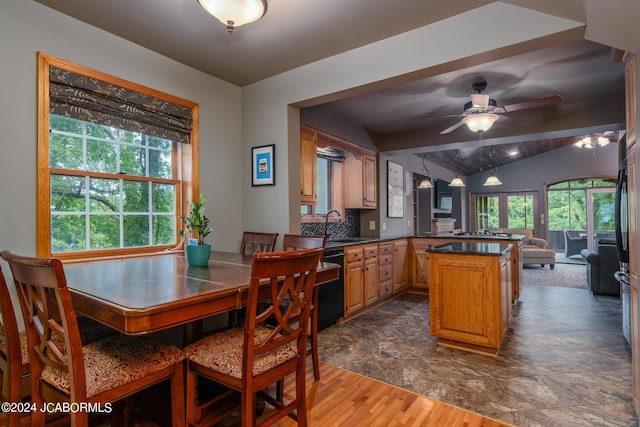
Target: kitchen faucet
x,y
326,220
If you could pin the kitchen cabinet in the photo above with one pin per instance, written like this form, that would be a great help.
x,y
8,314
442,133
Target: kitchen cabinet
x,y
634,265
630,97
361,181
385,270
361,277
370,280
308,167
400,265
353,279
470,295
418,262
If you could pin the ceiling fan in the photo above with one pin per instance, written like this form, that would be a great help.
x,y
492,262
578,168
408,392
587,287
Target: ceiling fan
x,y
481,112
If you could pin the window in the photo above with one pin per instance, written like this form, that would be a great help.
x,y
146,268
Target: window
x,y
323,204
567,203
504,210
109,183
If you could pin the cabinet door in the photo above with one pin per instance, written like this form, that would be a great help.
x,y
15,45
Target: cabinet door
x,y
308,168
632,188
370,281
630,90
353,279
400,265
369,184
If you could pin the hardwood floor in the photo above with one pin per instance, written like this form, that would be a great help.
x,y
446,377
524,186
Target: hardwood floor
x,y
344,398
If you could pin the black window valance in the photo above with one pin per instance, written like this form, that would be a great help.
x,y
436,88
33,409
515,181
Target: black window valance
x,y
85,98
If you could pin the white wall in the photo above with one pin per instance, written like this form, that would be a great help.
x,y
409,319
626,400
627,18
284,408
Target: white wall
x,y
27,27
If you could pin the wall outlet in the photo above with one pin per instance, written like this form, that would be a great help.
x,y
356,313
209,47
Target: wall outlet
x,y
384,226
372,225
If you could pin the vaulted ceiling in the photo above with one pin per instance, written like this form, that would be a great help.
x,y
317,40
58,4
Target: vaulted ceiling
x,y
411,116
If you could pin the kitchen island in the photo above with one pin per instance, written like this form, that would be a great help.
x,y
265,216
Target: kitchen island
x,y
470,294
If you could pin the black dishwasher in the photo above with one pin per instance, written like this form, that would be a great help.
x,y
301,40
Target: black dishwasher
x,y
331,295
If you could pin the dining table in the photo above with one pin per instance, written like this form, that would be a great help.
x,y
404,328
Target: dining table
x,y
145,294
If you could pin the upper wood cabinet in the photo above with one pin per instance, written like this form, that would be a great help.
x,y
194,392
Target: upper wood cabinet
x,y
308,167
630,90
361,181
354,185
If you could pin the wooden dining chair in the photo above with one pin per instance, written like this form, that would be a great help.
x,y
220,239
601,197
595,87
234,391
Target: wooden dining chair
x,y
248,359
13,365
257,242
63,370
294,242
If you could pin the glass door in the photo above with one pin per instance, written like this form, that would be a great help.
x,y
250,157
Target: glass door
x,y
600,215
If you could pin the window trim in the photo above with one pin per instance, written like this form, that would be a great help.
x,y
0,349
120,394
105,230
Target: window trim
x,y
186,170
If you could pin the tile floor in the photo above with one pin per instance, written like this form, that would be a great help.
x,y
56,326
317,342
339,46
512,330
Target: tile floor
x,y
564,361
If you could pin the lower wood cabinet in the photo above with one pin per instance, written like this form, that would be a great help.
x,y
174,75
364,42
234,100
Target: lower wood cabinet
x,y
361,277
400,264
385,270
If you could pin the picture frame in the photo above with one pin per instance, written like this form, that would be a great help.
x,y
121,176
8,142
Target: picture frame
x,y
395,190
263,165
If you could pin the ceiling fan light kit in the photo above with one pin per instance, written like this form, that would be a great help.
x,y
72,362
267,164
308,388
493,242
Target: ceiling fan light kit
x,y
593,142
480,122
234,13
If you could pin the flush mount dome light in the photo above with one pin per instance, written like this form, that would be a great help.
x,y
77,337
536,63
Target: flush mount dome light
x,y
480,122
234,13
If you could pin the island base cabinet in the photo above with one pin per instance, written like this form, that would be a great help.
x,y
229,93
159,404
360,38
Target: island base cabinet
x,y
470,300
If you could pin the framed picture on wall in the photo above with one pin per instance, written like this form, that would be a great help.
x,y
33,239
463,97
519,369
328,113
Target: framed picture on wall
x,y
263,166
395,190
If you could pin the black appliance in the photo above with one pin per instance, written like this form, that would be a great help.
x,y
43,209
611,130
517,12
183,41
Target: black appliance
x,y
331,295
622,240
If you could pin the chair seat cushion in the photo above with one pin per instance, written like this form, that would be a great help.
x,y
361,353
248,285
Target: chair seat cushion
x,y
90,331
222,352
116,361
24,348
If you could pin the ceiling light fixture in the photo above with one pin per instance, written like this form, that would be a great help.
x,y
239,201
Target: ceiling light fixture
x,y
234,13
480,122
456,181
426,181
492,179
593,142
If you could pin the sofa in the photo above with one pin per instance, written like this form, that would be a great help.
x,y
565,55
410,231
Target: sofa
x,y
602,264
534,249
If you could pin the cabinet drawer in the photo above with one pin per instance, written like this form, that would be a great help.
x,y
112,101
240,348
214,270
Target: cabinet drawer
x,y
353,255
385,288
385,259
370,252
385,248
385,272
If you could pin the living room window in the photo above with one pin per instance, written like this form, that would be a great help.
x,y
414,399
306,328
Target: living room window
x,y
115,164
504,210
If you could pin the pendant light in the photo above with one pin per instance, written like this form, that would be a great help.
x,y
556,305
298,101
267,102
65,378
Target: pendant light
x,y
492,179
426,182
456,181
234,13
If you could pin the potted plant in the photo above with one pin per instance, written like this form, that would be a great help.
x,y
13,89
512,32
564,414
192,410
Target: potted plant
x,y
196,228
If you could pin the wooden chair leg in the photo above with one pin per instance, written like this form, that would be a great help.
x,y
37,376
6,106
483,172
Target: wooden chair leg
x,y
314,336
178,397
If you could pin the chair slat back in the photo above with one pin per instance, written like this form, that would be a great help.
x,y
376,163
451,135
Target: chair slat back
x,y
11,356
253,243
291,277
296,241
52,329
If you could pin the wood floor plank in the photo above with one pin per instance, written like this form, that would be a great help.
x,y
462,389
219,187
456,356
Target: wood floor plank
x,y
344,398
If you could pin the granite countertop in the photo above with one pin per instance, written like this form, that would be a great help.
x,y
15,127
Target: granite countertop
x,y
340,242
472,248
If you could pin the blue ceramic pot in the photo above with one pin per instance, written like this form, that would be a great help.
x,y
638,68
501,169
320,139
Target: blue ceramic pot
x,y
197,255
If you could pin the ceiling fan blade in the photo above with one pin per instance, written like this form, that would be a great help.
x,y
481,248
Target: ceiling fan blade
x,y
509,121
550,100
451,128
428,116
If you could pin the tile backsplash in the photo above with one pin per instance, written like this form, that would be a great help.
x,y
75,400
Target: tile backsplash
x,y
349,226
